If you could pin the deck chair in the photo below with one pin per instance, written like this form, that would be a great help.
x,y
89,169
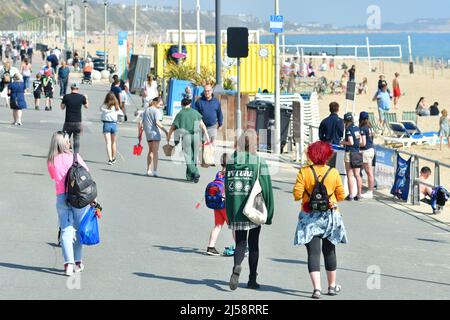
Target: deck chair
x,y
413,129
409,116
391,117
400,135
374,123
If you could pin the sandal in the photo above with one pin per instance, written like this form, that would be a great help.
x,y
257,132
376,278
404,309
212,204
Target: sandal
x,y
316,294
334,291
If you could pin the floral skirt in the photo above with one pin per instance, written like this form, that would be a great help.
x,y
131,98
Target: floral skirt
x,y
327,225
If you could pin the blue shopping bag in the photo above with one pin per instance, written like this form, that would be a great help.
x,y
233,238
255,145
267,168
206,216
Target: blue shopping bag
x,y
89,234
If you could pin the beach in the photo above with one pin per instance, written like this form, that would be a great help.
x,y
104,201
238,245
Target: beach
x,y
423,83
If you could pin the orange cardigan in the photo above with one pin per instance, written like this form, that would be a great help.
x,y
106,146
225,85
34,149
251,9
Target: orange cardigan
x,y
306,181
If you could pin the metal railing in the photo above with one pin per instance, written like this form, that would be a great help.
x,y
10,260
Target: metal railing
x,y
415,174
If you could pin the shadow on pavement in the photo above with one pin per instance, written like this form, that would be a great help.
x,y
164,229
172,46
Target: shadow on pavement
x,y
219,284
45,157
432,240
289,261
30,268
364,272
181,250
53,245
144,175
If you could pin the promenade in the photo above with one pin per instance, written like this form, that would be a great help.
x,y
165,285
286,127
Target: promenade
x,y
153,239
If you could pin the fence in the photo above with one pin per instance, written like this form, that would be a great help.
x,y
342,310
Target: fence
x,y
414,197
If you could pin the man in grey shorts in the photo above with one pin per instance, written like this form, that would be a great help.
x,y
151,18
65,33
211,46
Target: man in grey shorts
x,y
210,109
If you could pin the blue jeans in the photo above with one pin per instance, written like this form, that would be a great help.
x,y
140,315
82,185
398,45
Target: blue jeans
x,y
69,222
26,82
63,83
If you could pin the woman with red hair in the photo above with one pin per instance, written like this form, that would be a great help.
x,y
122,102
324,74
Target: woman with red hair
x,y
320,188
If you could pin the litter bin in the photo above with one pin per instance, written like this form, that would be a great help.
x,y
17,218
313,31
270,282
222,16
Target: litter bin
x,y
68,55
285,115
259,112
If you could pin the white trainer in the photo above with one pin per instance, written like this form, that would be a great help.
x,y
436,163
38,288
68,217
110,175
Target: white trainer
x,y
367,195
150,173
69,270
79,268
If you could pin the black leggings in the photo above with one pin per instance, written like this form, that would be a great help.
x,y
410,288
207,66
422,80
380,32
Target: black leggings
x,y
74,128
329,254
253,247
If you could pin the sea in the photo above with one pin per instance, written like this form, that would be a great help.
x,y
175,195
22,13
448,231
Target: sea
x,y
424,45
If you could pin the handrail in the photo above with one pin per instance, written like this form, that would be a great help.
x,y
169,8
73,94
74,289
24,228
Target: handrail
x,y
424,158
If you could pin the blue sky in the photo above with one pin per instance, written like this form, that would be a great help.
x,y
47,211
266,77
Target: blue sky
x,y
340,13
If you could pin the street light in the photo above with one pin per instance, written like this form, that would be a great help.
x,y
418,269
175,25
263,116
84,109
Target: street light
x,y
198,37
105,3
135,26
85,28
180,22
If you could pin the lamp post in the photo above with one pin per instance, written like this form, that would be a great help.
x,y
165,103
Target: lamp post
x,y
219,85
180,22
134,27
72,22
105,3
61,10
277,87
198,37
66,45
85,28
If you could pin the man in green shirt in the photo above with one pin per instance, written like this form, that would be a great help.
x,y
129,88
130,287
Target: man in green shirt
x,y
187,125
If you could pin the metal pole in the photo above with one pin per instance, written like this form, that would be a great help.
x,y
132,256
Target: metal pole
x,y
85,30
219,83
104,36
66,45
368,54
411,62
72,22
180,26
277,86
198,37
238,111
135,27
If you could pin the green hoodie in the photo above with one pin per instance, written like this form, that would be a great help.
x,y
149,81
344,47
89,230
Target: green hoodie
x,y
239,180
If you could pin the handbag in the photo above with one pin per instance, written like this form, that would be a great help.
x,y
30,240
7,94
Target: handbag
x,y
137,149
356,159
255,209
208,154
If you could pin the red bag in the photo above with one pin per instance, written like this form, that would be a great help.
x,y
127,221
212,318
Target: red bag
x,y
137,149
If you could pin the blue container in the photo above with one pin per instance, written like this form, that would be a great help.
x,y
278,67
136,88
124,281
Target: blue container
x,y
177,91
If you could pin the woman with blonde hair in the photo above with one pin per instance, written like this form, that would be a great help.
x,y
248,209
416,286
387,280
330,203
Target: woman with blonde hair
x,y
59,161
16,92
110,113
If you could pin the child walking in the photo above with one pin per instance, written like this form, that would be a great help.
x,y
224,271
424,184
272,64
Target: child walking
x,y
37,90
220,215
444,127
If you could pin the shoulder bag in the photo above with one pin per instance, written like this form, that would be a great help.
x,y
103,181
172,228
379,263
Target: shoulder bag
x,y
255,209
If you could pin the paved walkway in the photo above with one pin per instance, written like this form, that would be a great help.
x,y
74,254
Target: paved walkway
x,y
153,238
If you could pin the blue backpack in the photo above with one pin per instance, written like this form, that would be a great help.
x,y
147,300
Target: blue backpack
x,y
215,193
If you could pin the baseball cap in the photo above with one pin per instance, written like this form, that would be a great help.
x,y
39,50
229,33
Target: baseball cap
x,y
348,117
363,116
75,85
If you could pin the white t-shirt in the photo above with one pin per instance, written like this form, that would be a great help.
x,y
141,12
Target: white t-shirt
x,y
151,91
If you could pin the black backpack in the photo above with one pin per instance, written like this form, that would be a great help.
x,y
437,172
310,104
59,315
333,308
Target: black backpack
x,y
319,199
81,189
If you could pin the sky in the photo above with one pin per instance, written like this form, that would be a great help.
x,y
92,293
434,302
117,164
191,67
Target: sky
x,y
339,13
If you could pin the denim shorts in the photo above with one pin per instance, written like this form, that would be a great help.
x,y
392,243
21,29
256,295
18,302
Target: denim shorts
x,y
110,127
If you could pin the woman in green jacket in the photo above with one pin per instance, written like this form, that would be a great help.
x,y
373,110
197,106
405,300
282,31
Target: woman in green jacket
x,y
241,174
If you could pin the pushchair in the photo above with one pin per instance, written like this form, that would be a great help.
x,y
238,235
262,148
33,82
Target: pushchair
x,y
87,77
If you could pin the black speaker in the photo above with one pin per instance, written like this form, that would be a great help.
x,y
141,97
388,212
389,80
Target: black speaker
x,y
237,42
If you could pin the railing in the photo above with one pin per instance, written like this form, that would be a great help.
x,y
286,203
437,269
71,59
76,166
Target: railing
x,y
415,173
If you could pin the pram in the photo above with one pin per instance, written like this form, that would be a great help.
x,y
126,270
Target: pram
x,y
87,77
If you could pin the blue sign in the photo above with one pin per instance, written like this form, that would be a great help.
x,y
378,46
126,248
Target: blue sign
x,y
276,24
